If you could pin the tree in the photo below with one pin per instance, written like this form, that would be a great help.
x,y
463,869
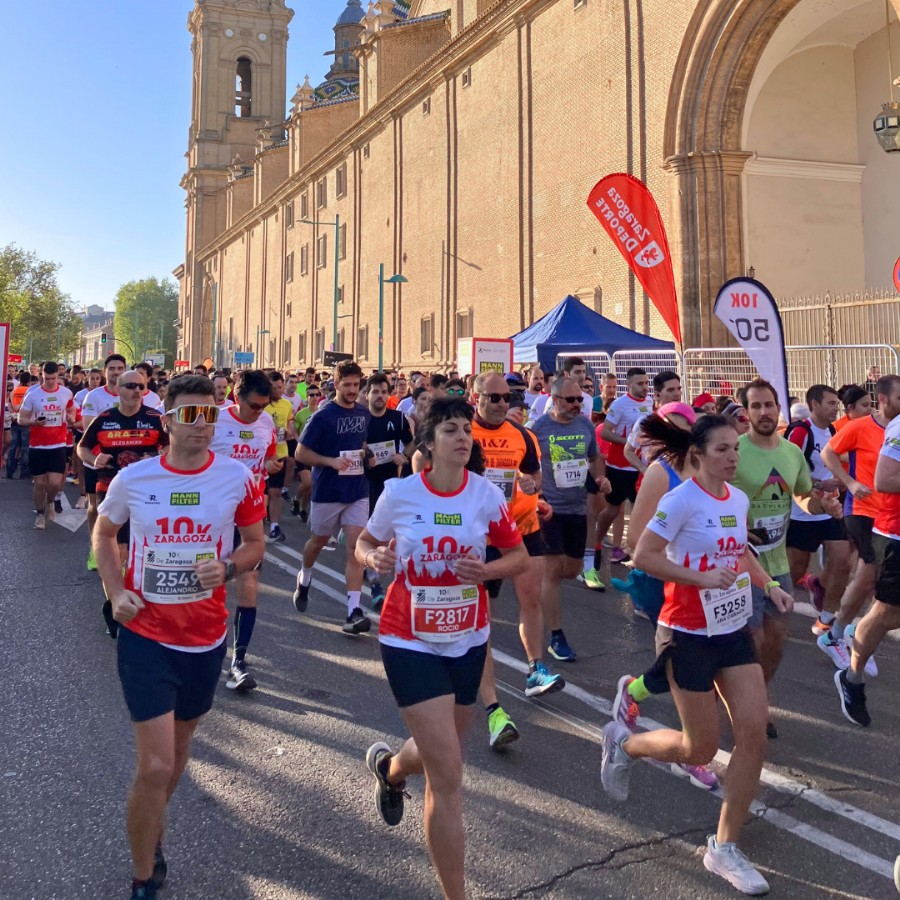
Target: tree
x,y
146,311
43,323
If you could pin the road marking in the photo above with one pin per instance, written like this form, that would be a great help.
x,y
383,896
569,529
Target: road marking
x,y
772,779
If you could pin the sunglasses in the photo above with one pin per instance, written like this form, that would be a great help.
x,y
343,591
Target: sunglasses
x,y
576,399
458,392
131,385
189,413
311,396
497,398
257,407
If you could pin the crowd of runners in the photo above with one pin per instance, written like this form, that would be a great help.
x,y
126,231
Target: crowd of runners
x,y
441,488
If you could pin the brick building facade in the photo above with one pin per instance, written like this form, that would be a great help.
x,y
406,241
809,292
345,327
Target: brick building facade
x,y
456,141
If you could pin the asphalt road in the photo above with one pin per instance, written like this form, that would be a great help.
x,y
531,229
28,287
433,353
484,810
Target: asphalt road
x,y
276,802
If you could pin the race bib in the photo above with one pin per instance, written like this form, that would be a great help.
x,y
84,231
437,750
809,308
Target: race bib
x,y
569,473
52,417
384,452
727,609
443,614
279,435
169,576
505,479
774,527
355,456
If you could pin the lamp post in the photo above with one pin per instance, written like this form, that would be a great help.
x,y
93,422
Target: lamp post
x,y
394,279
214,353
337,256
259,333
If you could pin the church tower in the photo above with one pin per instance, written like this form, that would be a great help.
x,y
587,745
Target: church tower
x,y
239,50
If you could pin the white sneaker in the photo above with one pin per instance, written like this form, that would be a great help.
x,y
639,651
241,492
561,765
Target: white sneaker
x,y
728,862
40,523
871,667
836,651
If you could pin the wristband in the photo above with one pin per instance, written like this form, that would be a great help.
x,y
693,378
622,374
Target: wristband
x,y
366,558
770,585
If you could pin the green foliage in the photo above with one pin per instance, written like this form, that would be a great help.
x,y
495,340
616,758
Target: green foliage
x,y
145,319
43,323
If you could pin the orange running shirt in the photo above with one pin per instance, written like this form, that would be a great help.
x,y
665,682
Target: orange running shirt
x,y
861,440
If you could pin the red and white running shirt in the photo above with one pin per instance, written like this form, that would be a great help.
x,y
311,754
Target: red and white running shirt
x,y
704,532
427,608
99,400
179,518
622,414
887,522
250,443
52,405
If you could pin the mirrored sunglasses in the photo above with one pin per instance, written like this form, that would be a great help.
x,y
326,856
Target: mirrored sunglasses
x,y
189,413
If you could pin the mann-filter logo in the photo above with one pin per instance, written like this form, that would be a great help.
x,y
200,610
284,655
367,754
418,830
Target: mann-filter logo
x,y
660,515
185,498
445,519
728,521
470,593
246,435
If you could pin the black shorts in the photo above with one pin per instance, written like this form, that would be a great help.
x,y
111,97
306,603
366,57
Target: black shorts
x,y
565,534
887,582
590,485
276,479
624,485
47,462
415,677
859,532
292,446
238,542
90,480
157,680
697,658
533,543
809,536
124,535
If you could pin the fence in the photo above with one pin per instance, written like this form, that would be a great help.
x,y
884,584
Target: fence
x,y
841,319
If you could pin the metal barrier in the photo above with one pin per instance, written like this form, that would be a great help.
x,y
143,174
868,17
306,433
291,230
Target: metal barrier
x,y
597,364
651,361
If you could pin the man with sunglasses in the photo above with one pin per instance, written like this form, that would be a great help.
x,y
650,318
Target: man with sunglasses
x,y
569,453
513,463
170,601
118,437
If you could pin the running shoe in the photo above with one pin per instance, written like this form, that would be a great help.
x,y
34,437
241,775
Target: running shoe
x,y
57,506
160,867
276,535
40,522
304,514
897,873
388,797
559,648
112,626
295,507
502,729
820,627
143,890
82,502
91,561
378,595
836,651
729,863
357,623
50,512
71,479
285,494
853,699
542,681
301,596
615,763
700,776
239,679
816,589
625,707
591,579
771,731
618,555
871,667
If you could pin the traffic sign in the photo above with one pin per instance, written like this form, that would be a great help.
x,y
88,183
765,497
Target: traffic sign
x,y
897,274
331,358
15,358
243,359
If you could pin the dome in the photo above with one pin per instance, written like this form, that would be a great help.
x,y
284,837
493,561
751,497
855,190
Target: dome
x,y
352,15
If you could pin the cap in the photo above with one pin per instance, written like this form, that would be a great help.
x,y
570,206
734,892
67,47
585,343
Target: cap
x,y
702,400
731,409
514,379
680,409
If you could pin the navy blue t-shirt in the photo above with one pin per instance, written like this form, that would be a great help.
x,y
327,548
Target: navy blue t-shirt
x,y
331,431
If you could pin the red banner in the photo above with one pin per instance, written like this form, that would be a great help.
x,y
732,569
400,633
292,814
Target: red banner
x,y
14,358
628,212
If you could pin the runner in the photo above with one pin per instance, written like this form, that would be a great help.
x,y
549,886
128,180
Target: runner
x,y
334,444
569,452
118,437
431,530
17,454
47,410
536,383
703,639
770,472
182,509
857,403
666,389
221,386
300,503
389,438
282,413
309,380
245,432
806,532
884,614
574,367
291,383
512,463
97,401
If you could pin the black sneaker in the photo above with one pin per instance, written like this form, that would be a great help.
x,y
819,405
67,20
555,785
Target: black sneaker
x,y
853,699
276,535
57,506
143,890
112,626
301,597
295,507
239,678
304,514
160,867
357,622
388,797
285,495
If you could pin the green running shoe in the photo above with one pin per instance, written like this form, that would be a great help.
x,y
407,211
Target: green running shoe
x,y
91,562
502,728
591,579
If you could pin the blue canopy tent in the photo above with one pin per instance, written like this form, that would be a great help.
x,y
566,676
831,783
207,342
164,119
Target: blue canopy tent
x,y
573,328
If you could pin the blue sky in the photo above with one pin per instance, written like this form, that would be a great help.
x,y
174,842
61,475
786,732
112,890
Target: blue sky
x,y
97,108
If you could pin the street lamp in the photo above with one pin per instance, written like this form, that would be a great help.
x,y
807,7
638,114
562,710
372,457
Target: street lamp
x,y
259,333
887,123
394,279
337,256
214,351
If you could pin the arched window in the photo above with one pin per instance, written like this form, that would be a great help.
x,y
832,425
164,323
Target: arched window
x,y
243,88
